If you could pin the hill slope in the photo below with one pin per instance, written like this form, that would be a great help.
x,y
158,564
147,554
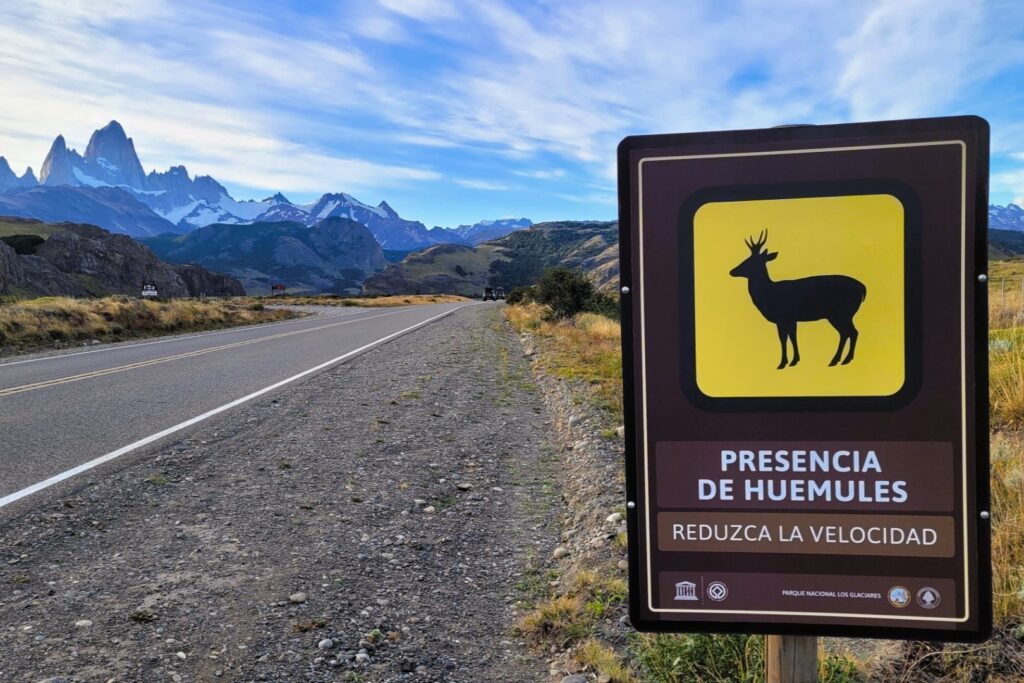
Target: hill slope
x,y
1004,244
335,255
514,260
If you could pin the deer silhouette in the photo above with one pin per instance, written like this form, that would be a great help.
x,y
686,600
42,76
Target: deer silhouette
x,y
835,298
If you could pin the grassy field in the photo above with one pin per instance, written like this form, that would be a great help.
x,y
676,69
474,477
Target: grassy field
x,y
49,321
588,348
363,301
9,228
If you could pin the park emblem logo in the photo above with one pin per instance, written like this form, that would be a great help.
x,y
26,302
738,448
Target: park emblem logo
x,y
800,297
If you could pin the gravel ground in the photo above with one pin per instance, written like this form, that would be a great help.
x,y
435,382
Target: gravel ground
x,y
369,524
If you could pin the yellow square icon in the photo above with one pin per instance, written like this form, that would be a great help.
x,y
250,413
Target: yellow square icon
x,y
800,297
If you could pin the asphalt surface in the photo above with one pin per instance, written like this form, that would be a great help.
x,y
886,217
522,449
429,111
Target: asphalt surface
x,y
60,411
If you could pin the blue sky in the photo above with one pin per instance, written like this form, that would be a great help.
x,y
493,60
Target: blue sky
x,y
457,111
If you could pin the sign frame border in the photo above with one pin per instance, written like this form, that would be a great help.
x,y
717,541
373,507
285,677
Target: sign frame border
x,y
837,134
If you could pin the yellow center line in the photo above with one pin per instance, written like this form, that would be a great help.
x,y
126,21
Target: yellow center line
x,y
155,361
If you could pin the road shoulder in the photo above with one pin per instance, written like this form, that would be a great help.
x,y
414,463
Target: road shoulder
x,y
375,519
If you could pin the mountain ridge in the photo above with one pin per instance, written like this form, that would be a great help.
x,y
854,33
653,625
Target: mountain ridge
x,y
175,201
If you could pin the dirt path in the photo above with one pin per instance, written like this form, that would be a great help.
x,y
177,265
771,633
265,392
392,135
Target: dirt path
x,y
367,525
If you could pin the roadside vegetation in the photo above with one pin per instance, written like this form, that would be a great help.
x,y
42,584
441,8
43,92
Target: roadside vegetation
x,y
62,321
362,301
581,345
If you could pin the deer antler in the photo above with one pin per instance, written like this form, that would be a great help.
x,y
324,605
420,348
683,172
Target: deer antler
x,y
755,247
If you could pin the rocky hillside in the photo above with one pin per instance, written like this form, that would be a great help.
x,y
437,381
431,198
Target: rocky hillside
x,y
69,259
335,255
517,259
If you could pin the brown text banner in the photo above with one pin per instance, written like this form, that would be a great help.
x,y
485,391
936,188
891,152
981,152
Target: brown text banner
x,y
807,533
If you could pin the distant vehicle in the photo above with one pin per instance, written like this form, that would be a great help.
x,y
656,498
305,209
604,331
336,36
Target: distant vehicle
x,y
499,293
489,294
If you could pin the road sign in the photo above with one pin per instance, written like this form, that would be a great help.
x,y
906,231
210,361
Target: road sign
x,y
149,291
277,289
805,366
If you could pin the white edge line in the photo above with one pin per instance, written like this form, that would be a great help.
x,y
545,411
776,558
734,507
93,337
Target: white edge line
x,y
86,466
113,346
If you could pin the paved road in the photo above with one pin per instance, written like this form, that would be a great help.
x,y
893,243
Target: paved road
x,y
59,412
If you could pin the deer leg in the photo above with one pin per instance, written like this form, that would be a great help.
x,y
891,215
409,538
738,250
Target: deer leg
x,y
782,342
852,334
840,328
796,349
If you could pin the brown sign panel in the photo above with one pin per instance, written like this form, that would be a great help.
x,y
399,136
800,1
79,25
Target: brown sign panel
x,y
805,366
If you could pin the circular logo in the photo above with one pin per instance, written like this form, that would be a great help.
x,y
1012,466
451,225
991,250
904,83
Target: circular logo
x,y
928,597
899,596
718,591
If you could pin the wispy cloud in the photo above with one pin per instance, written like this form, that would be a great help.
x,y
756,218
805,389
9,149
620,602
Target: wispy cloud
x,y
543,174
482,185
396,94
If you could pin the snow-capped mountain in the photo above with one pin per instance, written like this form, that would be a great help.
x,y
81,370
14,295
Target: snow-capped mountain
x,y
491,229
390,229
1009,217
172,200
108,186
110,160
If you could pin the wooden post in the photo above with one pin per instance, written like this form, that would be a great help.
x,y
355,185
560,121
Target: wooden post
x,y
791,659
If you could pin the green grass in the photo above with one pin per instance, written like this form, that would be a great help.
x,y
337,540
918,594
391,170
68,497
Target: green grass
x,y
717,658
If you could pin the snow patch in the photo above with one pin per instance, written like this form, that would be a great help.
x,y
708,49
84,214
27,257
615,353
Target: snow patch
x,y
113,168
176,214
87,180
247,210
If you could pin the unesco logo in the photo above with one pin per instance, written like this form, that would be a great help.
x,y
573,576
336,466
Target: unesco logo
x,y
718,591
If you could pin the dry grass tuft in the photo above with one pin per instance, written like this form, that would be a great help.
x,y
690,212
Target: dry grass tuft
x,y
585,348
598,325
560,620
46,320
1007,481
602,660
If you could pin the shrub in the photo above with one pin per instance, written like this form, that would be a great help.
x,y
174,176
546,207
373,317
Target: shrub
x,y
568,292
605,305
565,291
522,295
